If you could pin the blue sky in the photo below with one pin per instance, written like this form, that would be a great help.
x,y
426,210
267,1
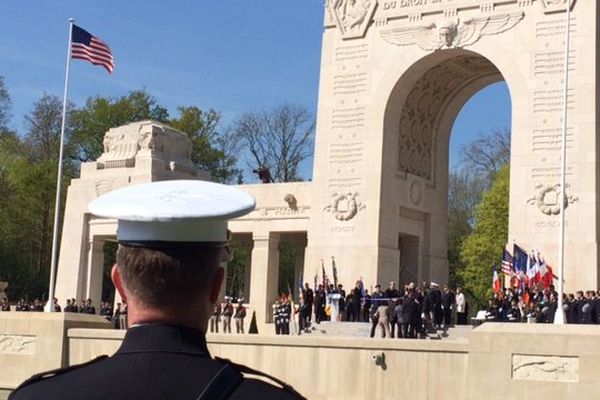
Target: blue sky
x,y
230,56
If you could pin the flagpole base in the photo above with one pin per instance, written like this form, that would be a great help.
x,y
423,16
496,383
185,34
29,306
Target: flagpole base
x,y
560,317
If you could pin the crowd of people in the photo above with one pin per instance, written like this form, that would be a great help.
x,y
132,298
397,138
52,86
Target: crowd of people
x,y
412,312
540,306
117,317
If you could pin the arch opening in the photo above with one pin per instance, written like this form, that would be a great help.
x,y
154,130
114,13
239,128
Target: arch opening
x,y
418,123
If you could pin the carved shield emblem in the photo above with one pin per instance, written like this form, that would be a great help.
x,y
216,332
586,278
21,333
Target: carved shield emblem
x,y
352,17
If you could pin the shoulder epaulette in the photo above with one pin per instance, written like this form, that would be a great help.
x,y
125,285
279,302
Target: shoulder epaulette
x,y
55,372
249,371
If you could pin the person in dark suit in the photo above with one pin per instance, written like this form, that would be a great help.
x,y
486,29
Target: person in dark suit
x,y
168,272
308,296
572,316
447,306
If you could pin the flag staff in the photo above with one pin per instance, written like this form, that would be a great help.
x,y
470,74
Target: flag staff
x,y
54,259
559,317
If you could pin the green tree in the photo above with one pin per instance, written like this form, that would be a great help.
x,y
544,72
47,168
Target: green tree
x,y
211,150
28,171
464,193
483,248
99,114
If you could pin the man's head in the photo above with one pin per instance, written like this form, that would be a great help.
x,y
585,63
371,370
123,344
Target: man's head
x,y
167,278
307,286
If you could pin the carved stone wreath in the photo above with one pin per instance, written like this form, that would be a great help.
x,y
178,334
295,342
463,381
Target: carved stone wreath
x,y
344,206
547,199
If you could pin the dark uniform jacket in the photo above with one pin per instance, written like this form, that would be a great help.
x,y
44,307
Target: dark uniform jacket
x,y
154,362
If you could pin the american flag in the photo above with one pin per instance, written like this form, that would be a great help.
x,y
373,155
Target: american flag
x,y
84,46
507,262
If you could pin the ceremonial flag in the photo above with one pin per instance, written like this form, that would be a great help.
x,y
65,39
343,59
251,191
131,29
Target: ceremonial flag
x,y
335,275
531,266
325,278
496,285
507,262
520,263
538,267
85,46
546,274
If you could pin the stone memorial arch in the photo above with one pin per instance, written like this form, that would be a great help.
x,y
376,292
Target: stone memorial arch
x,y
394,75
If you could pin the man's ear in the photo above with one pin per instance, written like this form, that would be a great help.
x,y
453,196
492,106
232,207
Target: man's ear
x,y
215,287
115,275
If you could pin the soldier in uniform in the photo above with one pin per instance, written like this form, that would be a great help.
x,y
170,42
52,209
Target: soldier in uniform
x,y
227,314
240,314
172,238
215,318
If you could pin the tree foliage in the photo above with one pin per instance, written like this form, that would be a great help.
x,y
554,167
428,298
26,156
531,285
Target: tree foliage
x,y
483,248
279,140
5,104
488,153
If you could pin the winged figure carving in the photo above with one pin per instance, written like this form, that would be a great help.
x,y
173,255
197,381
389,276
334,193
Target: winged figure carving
x,y
451,34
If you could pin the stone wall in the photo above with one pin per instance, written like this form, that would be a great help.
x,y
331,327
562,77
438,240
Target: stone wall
x,y
497,361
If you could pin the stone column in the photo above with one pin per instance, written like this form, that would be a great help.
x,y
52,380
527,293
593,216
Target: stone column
x,y
95,270
299,278
265,275
247,278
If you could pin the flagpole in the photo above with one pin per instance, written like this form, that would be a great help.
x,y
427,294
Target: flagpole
x,y
559,317
54,259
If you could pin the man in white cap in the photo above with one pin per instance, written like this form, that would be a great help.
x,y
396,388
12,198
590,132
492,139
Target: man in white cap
x,y
172,238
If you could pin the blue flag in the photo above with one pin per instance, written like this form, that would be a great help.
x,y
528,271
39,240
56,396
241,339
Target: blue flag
x,y
520,260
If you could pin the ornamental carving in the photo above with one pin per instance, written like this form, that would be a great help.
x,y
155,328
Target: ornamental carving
x,y
552,6
451,33
16,344
545,368
124,143
344,206
424,104
547,199
352,17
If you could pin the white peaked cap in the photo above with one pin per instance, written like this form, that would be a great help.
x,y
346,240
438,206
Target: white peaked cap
x,y
173,211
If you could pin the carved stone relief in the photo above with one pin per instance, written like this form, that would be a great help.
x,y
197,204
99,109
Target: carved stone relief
x,y
547,199
352,17
415,192
122,145
545,368
552,6
451,33
344,206
423,106
103,186
17,344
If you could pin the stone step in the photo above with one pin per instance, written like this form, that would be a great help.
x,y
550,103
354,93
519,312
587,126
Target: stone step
x,y
363,329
